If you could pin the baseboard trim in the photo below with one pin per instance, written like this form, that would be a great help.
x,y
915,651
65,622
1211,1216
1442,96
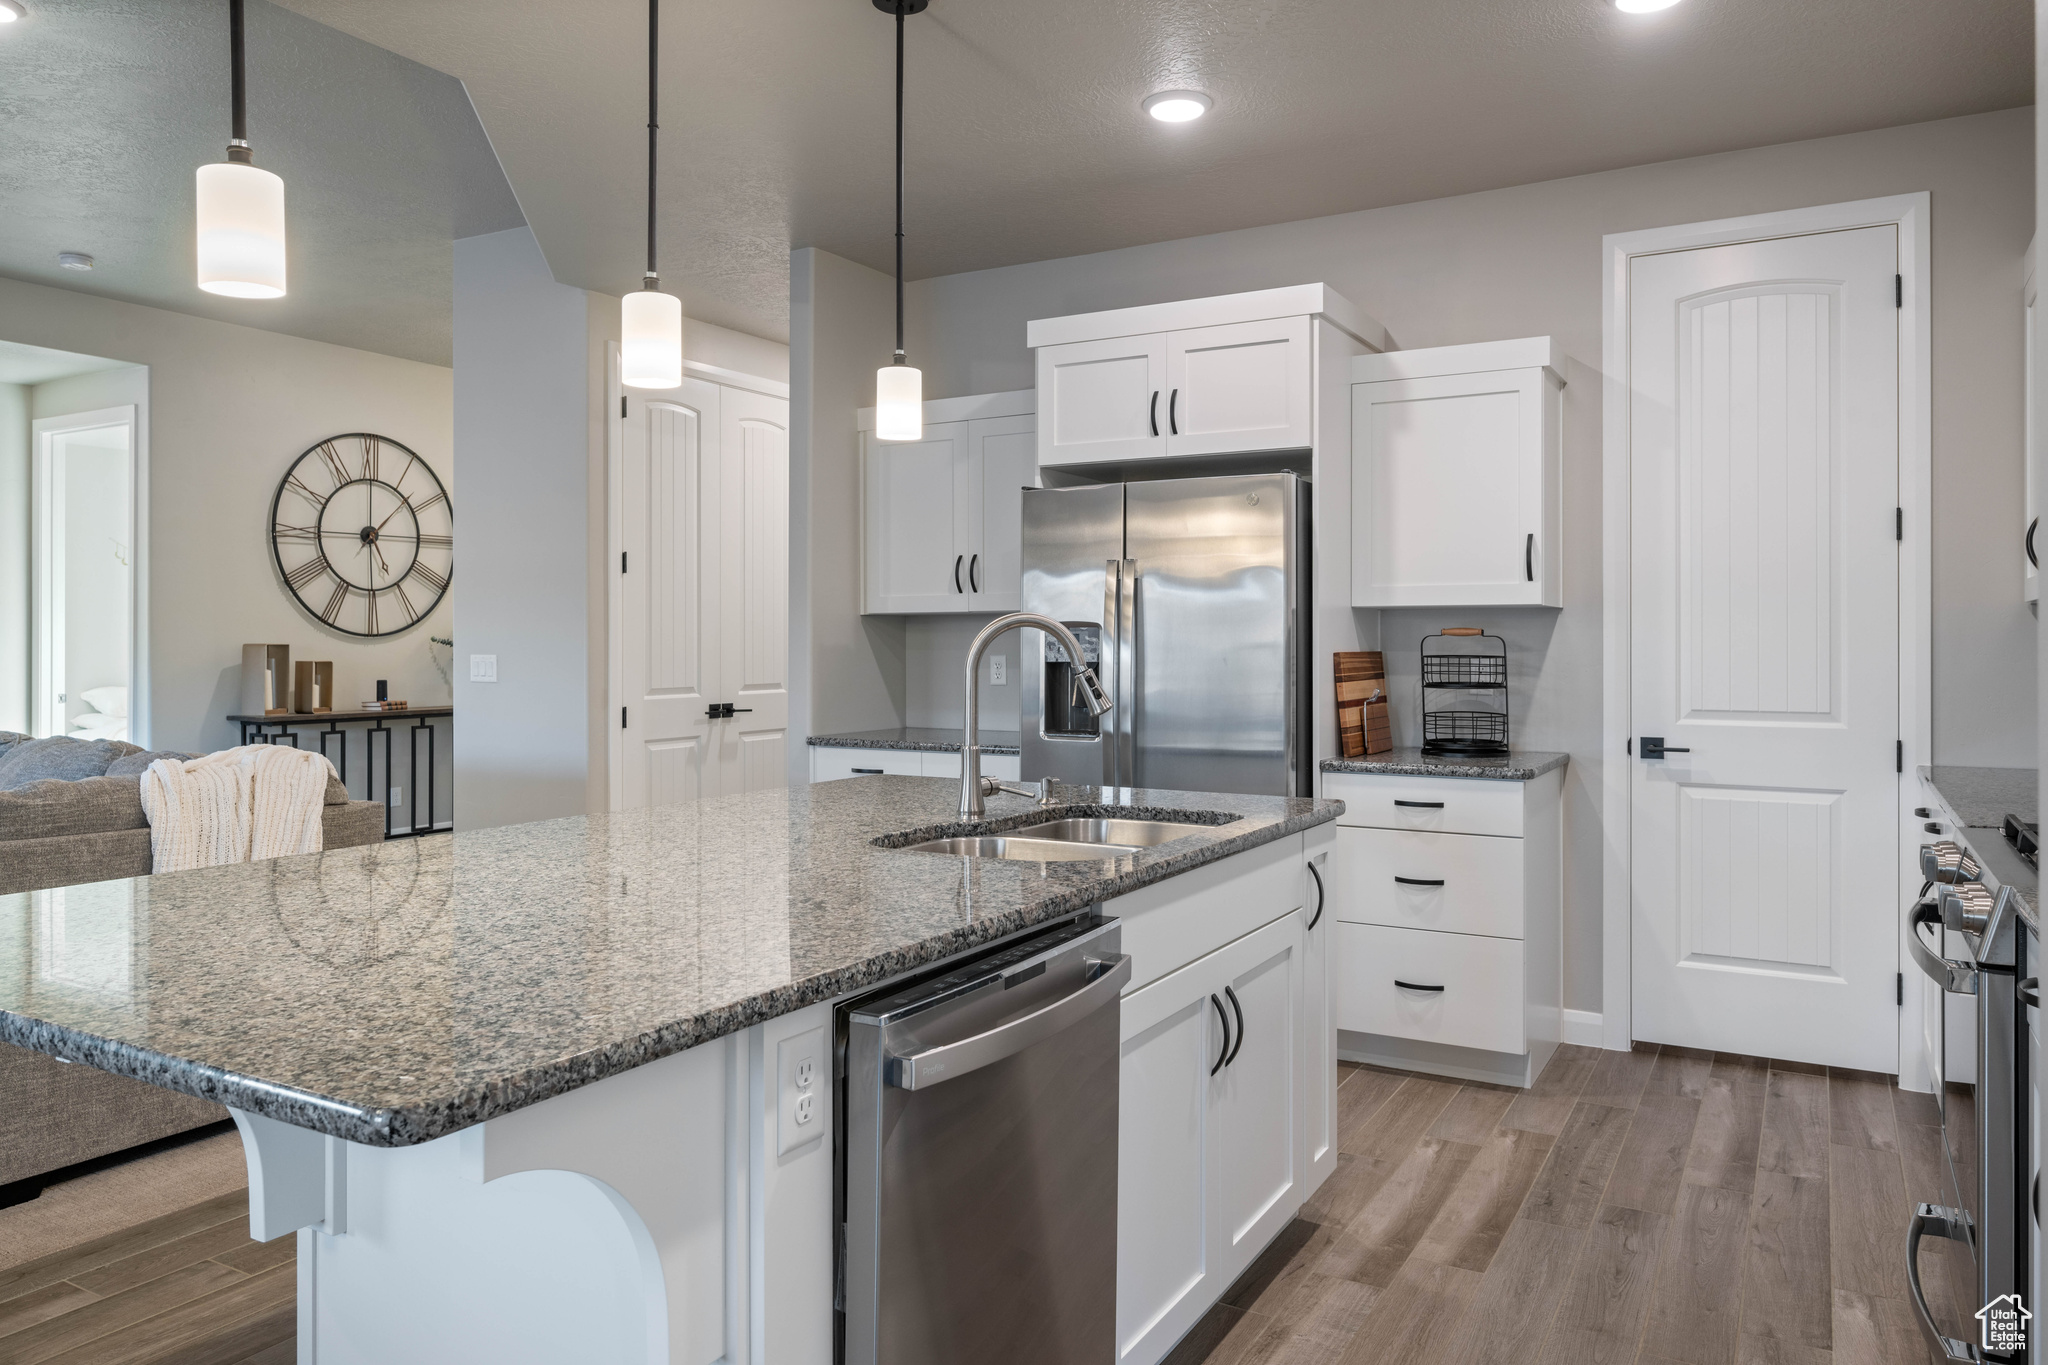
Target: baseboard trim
x,y
1587,1028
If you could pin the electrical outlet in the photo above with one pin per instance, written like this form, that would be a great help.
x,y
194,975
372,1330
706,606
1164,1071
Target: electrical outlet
x,y
799,1090
483,668
998,671
397,797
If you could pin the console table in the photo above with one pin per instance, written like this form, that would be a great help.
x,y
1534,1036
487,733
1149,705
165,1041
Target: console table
x,y
286,728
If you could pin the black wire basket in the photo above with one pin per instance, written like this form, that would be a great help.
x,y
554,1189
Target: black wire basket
x,y
1461,728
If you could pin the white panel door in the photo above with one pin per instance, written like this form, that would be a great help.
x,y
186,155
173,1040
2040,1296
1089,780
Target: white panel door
x,y
1102,400
670,622
1245,386
1258,1175
1763,430
1005,456
750,749
914,557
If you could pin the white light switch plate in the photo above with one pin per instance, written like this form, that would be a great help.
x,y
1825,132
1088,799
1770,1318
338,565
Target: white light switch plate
x,y
800,1088
998,670
483,668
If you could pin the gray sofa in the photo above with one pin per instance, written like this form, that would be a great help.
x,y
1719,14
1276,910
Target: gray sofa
x,y
71,812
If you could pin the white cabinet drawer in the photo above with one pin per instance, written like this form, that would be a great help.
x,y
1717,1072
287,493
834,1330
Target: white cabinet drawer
x,y
1464,883
1446,805
1480,1005
829,765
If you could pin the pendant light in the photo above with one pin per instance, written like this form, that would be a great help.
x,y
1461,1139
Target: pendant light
x,y
241,208
899,389
651,322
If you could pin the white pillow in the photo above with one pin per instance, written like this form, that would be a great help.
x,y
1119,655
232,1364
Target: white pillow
x,y
92,726
108,701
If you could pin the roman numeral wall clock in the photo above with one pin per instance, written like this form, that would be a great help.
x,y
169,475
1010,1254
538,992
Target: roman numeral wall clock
x,y
363,534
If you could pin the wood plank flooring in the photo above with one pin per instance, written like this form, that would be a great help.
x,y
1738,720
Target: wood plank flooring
x,y
1657,1207
188,1288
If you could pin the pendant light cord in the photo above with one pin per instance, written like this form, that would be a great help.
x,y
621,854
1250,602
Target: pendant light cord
x,y
899,182
653,82
238,142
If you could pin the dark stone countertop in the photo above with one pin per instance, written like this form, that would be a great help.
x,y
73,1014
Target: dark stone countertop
x,y
1520,766
1977,801
923,738
397,992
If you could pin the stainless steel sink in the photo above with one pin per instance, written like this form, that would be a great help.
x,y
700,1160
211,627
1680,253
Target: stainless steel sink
x,y
1064,841
1023,850
1125,833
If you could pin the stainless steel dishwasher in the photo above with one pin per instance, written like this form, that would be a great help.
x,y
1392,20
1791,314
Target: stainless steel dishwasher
x,y
977,1159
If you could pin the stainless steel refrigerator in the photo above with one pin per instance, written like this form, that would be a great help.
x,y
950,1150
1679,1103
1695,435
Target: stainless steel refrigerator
x,y
1191,600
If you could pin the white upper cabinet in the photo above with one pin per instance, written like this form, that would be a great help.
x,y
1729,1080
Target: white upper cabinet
x,y
1456,476
1229,375
942,518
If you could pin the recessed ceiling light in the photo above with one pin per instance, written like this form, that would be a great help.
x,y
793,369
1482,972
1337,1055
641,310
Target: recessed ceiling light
x,y
1642,6
10,11
1177,106
74,260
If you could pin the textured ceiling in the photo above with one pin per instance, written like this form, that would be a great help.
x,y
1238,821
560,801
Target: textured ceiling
x,y
109,105
1026,140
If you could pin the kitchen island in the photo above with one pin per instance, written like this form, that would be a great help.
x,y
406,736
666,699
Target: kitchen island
x,y
516,1089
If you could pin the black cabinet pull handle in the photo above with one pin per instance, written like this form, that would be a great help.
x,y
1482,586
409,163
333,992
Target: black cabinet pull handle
x,y
1155,412
1224,1055
2032,527
2030,992
1420,881
956,571
973,567
1421,805
1239,1047
1320,895
1411,986
867,772
1529,557
1173,413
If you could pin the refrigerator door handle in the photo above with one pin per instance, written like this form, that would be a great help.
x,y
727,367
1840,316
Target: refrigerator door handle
x,y
1126,695
1112,633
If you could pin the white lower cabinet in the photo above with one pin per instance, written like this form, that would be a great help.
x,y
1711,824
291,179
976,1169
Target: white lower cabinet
x,y
1209,1163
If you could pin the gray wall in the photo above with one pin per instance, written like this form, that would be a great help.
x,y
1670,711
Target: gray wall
x,y
227,409
522,431
1526,261
845,669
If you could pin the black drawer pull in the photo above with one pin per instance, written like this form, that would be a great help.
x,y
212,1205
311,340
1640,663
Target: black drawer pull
x,y
1411,986
1173,413
1224,1055
958,560
974,568
1420,881
1155,412
1239,1010
1421,805
1320,895
867,772
1529,558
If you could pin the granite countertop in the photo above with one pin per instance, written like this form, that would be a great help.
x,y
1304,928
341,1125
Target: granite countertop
x,y
396,992
1520,766
923,738
1977,801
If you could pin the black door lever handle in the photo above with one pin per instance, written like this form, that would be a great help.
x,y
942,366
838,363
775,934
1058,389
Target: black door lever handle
x,y
1653,746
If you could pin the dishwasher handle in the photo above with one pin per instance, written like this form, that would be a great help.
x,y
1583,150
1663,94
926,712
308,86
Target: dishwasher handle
x,y
923,1070
1958,978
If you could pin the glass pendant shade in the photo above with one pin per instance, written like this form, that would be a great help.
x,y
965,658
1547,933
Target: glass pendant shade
x,y
241,231
650,340
899,403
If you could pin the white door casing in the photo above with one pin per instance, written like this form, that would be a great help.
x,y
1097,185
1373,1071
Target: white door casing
x,y
50,436
700,553
1764,482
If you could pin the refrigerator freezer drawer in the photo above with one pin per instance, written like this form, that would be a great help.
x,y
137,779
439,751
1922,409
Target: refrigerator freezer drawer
x,y
1458,989
1461,883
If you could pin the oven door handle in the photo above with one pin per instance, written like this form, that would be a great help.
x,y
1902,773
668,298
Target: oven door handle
x,y
1941,1222
1959,978
922,1070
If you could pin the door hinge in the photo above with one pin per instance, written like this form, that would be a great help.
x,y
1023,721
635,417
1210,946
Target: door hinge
x,y
622,405
1899,756
1902,990
1898,523
622,561
622,717
1898,291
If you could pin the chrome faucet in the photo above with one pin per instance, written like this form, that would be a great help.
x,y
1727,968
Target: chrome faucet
x,y
973,786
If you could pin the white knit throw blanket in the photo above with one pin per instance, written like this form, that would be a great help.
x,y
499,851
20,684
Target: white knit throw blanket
x,y
258,801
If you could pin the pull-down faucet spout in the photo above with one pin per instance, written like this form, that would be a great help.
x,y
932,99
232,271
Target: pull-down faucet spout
x,y
1092,693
